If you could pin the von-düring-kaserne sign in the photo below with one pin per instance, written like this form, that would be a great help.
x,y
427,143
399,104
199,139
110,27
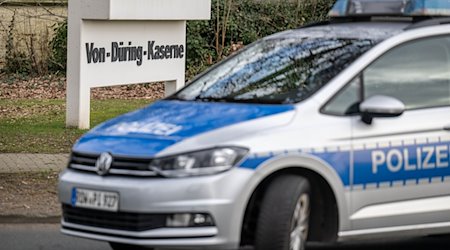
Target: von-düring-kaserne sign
x,y
126,52
116,42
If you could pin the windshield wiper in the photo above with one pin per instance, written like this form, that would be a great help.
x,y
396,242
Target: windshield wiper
x,y
175,98
225,99
233,100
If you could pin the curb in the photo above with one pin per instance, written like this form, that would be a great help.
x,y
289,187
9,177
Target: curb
x,y
22,219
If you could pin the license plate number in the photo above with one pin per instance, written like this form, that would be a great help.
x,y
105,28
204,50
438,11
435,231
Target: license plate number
x,y
93,199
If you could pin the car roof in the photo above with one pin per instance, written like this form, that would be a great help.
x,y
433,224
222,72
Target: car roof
x,y
373,19
376,31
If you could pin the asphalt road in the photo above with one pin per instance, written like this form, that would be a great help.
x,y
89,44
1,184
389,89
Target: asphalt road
x,y
47,237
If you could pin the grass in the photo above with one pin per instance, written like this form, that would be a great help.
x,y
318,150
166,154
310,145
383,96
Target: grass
x,y
38,126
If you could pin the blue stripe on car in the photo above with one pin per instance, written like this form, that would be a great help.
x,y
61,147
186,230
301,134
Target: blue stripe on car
x,y
340,161
401,165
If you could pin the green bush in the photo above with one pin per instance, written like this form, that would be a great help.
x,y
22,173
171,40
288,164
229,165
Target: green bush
x,y
233,22
248,21
58,47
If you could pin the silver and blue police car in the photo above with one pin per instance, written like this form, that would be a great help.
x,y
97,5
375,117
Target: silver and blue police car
x,y
331,132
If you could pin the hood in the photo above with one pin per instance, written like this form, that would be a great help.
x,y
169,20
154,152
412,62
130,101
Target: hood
x,y
147,131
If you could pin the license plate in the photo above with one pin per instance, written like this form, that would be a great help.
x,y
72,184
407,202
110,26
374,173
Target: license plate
x,y
93,199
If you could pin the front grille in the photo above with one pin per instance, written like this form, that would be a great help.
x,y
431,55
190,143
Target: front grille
x,y
113,220
120,165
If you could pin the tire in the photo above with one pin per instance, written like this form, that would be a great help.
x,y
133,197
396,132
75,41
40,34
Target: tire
x,y
283,221
120,246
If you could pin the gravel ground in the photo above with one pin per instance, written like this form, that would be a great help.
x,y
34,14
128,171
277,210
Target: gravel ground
x,y
28,195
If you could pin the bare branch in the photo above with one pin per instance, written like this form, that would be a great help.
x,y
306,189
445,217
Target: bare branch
x,y
216,34
225,23
50,12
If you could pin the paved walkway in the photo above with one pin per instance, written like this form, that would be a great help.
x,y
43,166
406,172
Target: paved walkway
x,y
18,163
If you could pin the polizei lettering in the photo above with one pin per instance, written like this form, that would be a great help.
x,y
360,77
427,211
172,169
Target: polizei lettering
x,y
129,52
411,159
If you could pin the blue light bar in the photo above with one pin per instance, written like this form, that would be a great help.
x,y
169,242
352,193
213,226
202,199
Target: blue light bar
x,y
350,8
339,9
429,8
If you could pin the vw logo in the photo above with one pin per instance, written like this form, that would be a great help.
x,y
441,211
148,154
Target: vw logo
x,y
103,163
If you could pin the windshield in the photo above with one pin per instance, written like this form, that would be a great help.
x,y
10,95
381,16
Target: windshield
x,y
276,71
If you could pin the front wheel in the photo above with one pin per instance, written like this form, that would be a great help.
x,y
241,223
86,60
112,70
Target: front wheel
x,y
283,221
120,246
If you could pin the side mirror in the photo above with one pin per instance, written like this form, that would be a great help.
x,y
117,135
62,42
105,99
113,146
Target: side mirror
x,y
380,106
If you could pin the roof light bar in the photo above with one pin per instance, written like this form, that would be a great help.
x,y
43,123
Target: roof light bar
x,y
429,8
350,8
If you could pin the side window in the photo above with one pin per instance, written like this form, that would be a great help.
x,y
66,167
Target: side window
x,y
417,73
346,101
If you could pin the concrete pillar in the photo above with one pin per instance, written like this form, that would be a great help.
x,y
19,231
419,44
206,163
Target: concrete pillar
x,y
117,42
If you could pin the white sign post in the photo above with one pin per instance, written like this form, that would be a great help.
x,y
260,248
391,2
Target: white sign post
x,y
116,42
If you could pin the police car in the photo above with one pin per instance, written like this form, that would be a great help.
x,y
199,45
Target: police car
x,y
331,132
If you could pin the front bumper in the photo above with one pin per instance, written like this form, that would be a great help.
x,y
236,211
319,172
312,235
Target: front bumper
x,y
220,195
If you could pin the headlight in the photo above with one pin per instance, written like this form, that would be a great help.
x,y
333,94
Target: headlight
x,y
203,162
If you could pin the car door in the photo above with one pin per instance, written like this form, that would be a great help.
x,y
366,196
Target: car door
x,y
401,174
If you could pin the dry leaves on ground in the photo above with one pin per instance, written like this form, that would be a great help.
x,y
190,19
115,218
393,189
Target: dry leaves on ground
x,y
54,87
17,112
